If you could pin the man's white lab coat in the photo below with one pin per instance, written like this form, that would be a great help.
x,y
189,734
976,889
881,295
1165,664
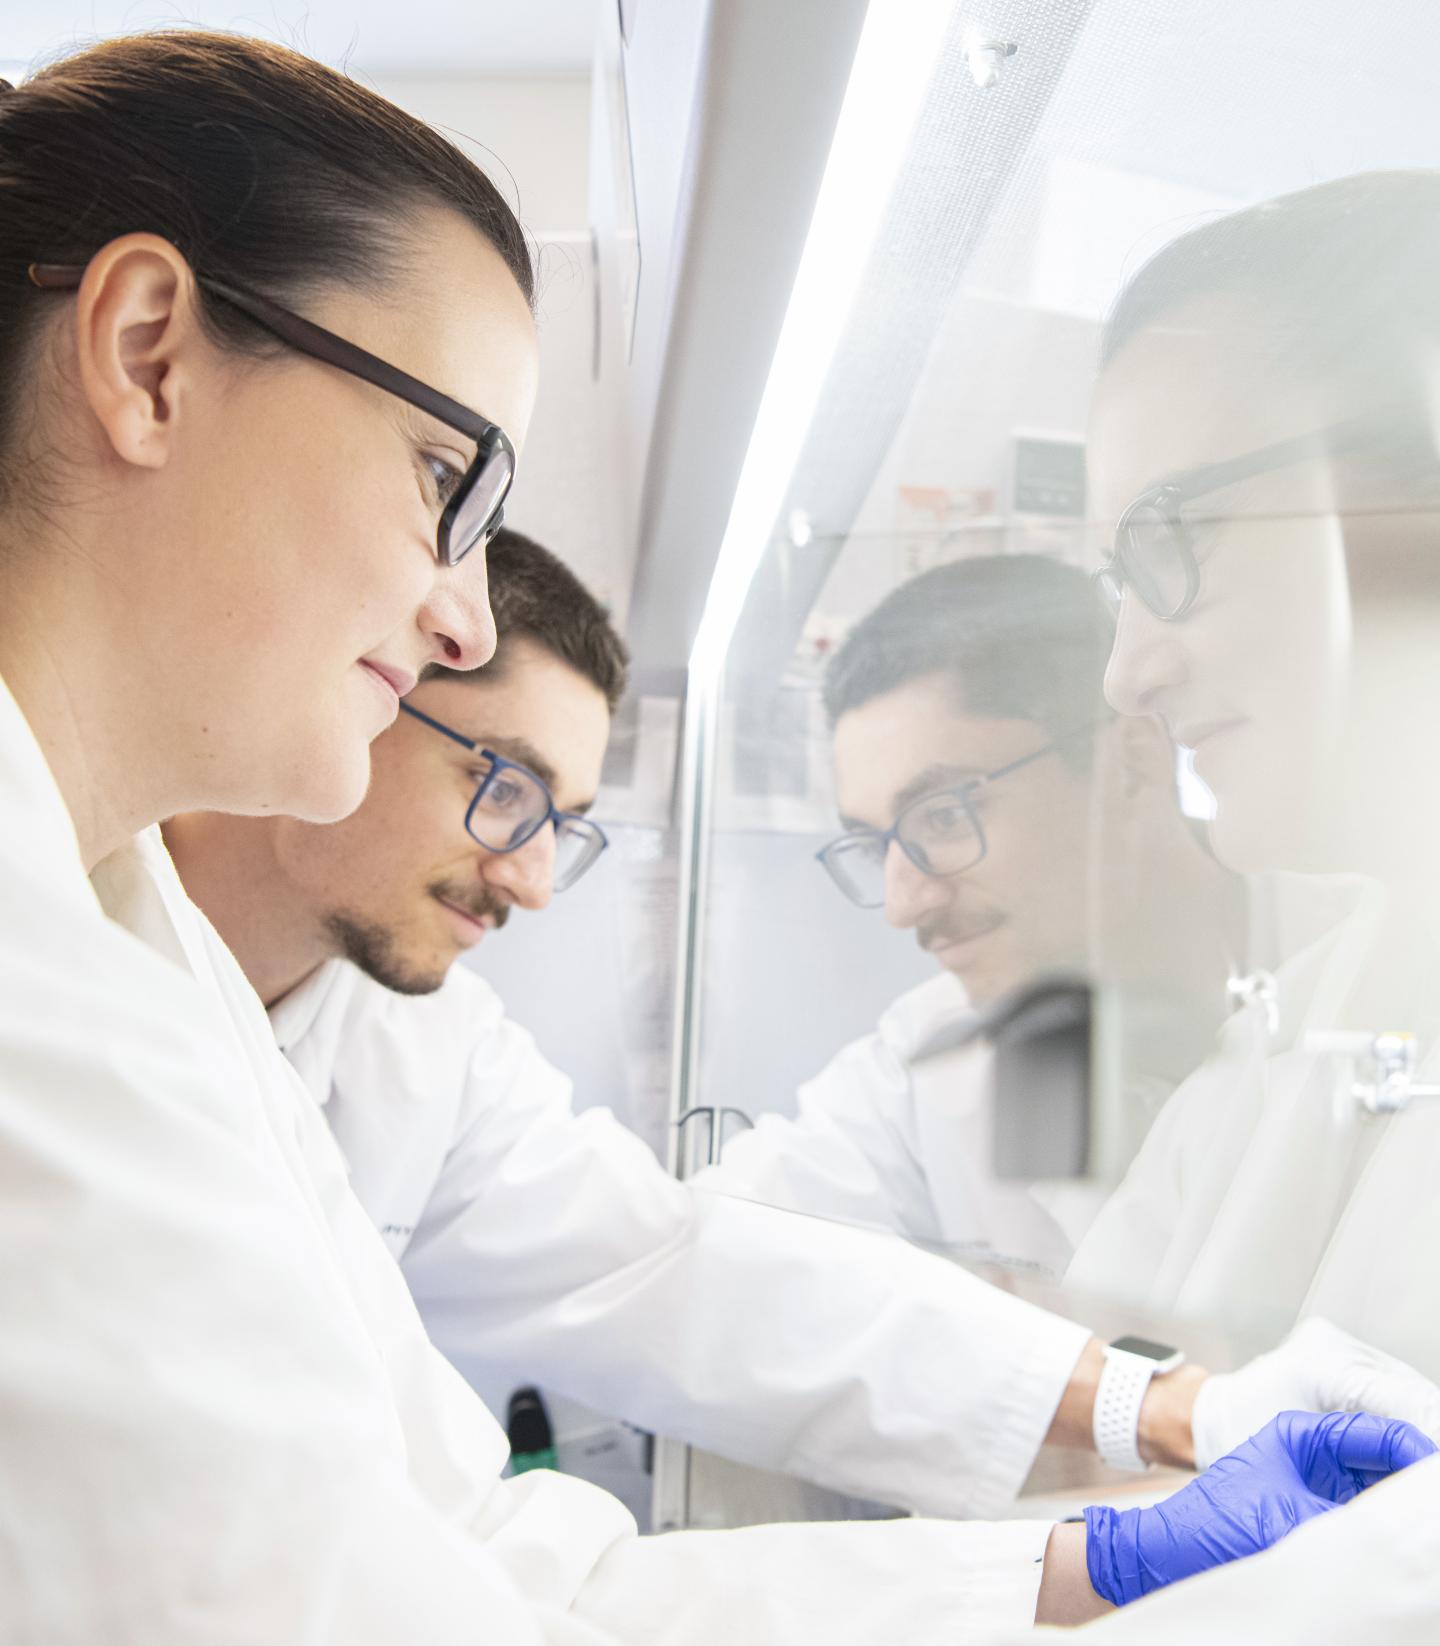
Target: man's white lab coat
x,y
219,1414
551,1247
1261,1194
896,1133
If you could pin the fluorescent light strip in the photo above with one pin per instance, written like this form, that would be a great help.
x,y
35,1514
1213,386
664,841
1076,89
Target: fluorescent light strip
x,y
894,62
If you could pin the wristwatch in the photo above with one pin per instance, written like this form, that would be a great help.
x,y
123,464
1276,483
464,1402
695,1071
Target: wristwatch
x,y
1130,1363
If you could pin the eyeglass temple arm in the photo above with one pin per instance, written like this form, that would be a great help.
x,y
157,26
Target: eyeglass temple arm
x,y
315,341
1040,753
440,726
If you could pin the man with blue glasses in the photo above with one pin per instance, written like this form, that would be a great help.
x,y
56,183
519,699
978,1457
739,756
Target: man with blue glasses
x,y
993,809
477,805
549,1247
541,1245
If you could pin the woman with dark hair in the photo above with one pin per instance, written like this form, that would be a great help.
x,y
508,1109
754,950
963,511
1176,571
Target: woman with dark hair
x,y
249,535
266,358
1265,435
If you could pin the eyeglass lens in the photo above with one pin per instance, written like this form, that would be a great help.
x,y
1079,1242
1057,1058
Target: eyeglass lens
x,y
577,845
509,808
475,515
513,806
1154,559
938,834
857,866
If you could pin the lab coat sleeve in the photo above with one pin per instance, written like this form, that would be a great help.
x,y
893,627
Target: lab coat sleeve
x,y
220,1418
562,1543
908,1580
555,1248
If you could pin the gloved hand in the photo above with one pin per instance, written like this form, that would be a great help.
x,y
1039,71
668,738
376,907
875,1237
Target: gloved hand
x,y
1318,1368
1299,1466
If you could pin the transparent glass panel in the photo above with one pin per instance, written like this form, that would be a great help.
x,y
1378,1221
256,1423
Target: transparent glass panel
x,y
1097,651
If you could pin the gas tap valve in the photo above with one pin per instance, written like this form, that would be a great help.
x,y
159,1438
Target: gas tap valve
x,y
1380,1067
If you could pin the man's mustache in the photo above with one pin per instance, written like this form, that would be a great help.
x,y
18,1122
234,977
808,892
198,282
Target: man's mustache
x,y
938,931
485,906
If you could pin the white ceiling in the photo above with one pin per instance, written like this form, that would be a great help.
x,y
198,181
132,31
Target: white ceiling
x,y
375,38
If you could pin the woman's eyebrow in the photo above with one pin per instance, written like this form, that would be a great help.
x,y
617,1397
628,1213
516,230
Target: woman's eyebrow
x,y
436,431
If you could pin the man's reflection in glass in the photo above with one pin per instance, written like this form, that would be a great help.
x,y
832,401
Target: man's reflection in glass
x,y
994,808
965,709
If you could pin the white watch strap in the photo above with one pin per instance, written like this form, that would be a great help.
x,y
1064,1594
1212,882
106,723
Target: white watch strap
x,y
1124,1378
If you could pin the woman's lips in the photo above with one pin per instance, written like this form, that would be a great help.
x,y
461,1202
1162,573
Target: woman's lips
x,y
1202,731
398,680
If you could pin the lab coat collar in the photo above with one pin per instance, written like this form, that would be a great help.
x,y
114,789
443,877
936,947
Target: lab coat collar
x,y
41,833
313,1013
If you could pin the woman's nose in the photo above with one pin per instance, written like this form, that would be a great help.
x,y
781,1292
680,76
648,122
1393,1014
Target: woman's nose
x,y
457,619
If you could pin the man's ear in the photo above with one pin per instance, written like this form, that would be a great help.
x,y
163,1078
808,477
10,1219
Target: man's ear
x,y
136,325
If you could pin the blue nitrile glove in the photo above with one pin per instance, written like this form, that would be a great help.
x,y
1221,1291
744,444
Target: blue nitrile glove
x,y
1298,1466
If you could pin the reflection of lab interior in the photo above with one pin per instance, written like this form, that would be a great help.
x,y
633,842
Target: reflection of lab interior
x,y
1110,981
959,1085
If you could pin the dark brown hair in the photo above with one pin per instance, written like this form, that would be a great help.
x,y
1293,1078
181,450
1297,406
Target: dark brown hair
x,y
1022,637
265,169
535,595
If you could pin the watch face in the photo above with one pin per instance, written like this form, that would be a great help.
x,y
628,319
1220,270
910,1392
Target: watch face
x,y
1144,1347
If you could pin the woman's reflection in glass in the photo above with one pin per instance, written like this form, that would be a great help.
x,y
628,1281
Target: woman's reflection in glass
x,y
1290,352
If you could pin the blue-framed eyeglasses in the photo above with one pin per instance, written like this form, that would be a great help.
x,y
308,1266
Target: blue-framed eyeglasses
x,y
512,805
940,833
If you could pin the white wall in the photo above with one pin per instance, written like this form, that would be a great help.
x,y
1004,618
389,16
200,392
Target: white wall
x,y
532,136
367,37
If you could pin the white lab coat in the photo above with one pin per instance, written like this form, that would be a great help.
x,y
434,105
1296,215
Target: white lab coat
x,y
219,1415
551,1247
896,1133
1259,1197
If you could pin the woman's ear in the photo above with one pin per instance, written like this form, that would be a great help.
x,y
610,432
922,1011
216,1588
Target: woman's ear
x,y
136,330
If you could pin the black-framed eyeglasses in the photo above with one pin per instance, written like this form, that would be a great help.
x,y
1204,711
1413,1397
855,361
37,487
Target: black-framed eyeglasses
x,y
940,833
512,805
1154,550
474,507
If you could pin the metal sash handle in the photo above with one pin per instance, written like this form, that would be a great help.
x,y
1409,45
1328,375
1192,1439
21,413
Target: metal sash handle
x,y
717,1113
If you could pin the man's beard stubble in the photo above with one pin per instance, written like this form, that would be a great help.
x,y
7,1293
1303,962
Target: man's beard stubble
x,y
372,948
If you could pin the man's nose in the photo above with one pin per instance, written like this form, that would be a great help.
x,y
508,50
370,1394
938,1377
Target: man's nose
x,y
1147,657
910,893
526,875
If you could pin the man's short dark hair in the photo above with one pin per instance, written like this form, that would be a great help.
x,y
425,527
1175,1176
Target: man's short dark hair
x,y
1022,636
534,594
